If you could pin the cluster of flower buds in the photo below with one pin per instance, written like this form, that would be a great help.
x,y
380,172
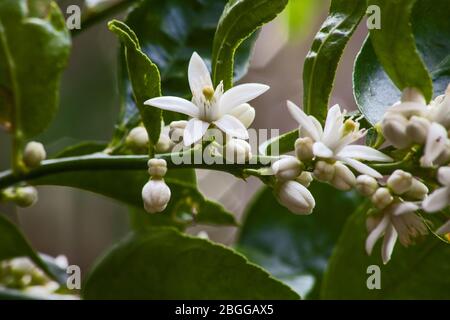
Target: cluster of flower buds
x,y
156,194
412,122
23,196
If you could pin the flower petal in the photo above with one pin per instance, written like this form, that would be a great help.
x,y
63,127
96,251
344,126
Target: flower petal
x,y
321,150
232,126
241,94
444,176
444,229
194,131
390,237
361,167
198,74
306,124
331,131
376,234
435,144
436,201
404,207
174,104
364,153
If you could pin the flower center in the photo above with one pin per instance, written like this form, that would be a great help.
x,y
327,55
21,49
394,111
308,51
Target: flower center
x,y
350,126
208,92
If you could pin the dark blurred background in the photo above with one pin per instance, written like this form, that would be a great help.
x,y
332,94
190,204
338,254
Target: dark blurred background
x,y
81,225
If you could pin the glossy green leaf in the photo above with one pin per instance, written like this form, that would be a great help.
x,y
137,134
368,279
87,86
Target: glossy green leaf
x,y
280,145
81,149
239,20
144,77
416,272
34,49
373,89
294,248
320,65
299,16
14,245
395,46
165,264
169,32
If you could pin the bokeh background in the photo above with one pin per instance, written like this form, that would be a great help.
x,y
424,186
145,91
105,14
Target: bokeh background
x,y
82,225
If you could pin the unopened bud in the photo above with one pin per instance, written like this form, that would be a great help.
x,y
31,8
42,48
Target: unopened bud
x,y
304,148
366,185
34,154
394,130
418,190
287,168
157,168
177,130
156,195
344,179
382,198
237,151
26,196
245,113
324,171
164,144
137,140
413,95
305,178
295,197
417,129
400,181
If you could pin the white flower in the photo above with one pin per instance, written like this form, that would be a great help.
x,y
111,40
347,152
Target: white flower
x,y
137,140
398,220
237,151
440,198
334,140
400,182
435,144
209,106
156,195
34,154
344,179
382,198
295,197
366,185
287,168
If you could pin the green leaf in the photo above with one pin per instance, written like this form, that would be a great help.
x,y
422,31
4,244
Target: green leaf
x,y
165,264
81,149
144,77
239,20
416,272
395,46
14,245
293,248
280,145
320,65
374,91
34,49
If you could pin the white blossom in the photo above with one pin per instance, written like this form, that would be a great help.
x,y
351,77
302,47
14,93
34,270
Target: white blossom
x,y
382,198
400,182
209,106
366,185
398,220
295,197
237,151
137,140
344,179
334,141
34,154
287,168
156,195
440,198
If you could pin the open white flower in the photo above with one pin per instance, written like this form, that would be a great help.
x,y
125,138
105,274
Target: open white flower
x,y
334,140
209,105
397,221
440,198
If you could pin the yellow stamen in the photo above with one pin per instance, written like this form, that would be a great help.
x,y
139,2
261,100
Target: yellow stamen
x,y
349,127
208,92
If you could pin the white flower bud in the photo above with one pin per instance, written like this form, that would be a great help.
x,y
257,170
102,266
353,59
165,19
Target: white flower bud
x,y
400,181
444,156
417,129
324,171
156,195
33,154
177,130
394,130
413,95
382,198
157,168
295,197
287,168
366,185
305,178
344,179
418,190
137,140
26,196
304,148
245,113
237,151
164,144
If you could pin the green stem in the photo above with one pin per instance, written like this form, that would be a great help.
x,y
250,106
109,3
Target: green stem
x,y
91,19
105,162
